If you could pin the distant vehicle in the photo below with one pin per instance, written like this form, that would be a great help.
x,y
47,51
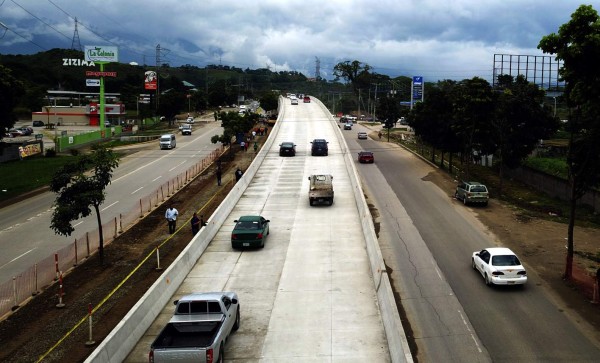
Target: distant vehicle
x,y
199,329
362,135
190,120
38,123
294,101
243,109
167,141
14,133
319,147
186,129
306,99
26,130
287,149
366,157
402,121
472,192
320,189
107,124
250,231
348,125
499,266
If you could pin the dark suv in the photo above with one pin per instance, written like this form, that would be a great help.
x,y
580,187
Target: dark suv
x,y
319,147
287,148
472,192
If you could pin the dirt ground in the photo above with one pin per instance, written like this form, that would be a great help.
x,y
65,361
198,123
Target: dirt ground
x,y
34,329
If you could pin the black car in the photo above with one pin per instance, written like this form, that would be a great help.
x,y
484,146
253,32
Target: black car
x,y
287,149
319,147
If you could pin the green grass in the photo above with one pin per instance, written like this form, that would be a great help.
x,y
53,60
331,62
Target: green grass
x,y
553,166
18,177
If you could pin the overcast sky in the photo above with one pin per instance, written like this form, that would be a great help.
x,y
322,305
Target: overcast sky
x,y
437,39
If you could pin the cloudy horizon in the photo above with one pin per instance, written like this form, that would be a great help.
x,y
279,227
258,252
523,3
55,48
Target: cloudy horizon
x,y
433,39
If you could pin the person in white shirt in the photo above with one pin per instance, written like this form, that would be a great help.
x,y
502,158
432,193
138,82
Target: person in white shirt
x,y
171,216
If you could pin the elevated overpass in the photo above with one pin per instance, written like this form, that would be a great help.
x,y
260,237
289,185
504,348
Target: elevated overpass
x,y
318,291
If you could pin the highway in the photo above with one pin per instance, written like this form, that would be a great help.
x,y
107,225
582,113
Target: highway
x,y
25,233
427,239
309,294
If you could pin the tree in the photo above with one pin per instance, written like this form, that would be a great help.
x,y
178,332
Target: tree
x,y
351,72
269,101
11,91
519,121
473,107
577,44
79,186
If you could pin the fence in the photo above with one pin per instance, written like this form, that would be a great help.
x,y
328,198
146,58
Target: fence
x,y
31,281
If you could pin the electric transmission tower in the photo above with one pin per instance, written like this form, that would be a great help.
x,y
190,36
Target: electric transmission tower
x,y
317,68
76,42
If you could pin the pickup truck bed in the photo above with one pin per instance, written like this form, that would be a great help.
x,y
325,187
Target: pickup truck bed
x,y
187,335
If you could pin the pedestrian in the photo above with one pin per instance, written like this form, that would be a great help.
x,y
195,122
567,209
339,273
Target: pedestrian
x,y
242,145
266,130
379,134
253,134
171,216
195,224
238,174
255,147
218,175
246,149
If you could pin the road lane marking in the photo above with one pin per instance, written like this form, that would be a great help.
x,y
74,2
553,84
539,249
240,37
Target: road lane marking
x,y
105,208
16,258
137,190
176,166
155,179
469,330
75,225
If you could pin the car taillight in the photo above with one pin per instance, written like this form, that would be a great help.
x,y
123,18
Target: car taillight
x,y
209,356
260,235
497,273
521,273
233,236
151,356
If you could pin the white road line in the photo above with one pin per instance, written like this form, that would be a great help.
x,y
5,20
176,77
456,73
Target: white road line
x,y
75,225
137,190
16,258
155,179
176,166
105,208
472,336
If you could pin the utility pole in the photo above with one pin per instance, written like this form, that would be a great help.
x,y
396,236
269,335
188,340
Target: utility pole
x,y
157,76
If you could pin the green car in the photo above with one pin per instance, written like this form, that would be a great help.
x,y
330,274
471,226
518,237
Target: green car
x,y
249,231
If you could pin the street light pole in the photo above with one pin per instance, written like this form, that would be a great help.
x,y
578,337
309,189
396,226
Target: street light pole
x,y
554,106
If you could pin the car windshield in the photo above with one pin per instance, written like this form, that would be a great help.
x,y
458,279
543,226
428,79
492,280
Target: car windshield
x,y
478,189
505,260
248,225
165,138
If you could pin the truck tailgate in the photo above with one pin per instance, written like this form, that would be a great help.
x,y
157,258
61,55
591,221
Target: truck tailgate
x,y
180,355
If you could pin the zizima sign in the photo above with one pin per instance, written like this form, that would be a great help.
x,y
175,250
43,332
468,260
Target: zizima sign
x,y
101,53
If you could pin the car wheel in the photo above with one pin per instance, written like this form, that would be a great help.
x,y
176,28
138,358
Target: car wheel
x,y
310,201
473,264
487,280
221,354
236,324
465,200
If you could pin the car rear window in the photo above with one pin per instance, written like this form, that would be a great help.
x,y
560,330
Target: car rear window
x,y
505,260
247,225
478,189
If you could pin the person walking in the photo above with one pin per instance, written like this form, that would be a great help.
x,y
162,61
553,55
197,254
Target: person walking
x,y
171,216
255,147
243,145
238,174
195,224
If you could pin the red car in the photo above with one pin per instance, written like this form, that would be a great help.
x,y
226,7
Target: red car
x,y
366,157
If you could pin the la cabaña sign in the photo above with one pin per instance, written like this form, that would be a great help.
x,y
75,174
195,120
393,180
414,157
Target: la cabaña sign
x,y
101,53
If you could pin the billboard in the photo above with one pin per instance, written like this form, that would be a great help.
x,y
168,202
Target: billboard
x,y
101,53
150,80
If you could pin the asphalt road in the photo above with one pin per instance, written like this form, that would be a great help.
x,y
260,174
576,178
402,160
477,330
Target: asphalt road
x,y
25,234
427,239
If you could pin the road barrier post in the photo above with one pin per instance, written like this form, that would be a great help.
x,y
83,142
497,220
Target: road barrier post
x,y
158,268
120,223
15,304
35,281
60,292
87,243
56,265
75,264
141,210
90,340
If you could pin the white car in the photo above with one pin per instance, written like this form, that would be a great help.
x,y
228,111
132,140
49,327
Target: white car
x,y
362,135
190,120
499,266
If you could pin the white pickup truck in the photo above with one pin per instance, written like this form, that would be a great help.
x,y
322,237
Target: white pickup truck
x,y
198,330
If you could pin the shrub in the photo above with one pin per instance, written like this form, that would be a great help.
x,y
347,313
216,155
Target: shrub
x,y
50,153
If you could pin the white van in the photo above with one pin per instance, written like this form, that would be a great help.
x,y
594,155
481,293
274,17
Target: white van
x,y
167,141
